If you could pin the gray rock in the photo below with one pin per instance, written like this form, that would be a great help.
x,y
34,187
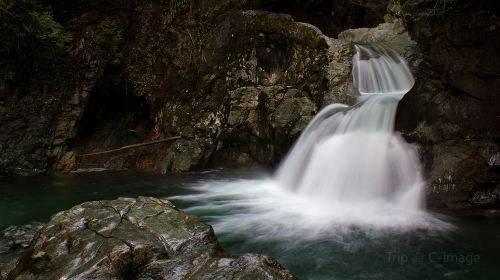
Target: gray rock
x,y
181,156
14,242
15,237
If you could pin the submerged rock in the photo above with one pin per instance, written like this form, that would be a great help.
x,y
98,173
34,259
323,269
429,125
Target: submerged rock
x,y
143,238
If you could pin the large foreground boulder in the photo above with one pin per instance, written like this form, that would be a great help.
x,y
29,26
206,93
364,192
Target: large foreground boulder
x,y
143,238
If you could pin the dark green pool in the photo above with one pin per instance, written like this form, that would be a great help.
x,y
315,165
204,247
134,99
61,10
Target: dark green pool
x,y
468,249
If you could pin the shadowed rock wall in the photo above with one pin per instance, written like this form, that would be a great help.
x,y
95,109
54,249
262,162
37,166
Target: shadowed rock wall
x,y
454,110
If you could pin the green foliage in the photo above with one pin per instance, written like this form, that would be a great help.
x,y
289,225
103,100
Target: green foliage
x,y
110,38
34,24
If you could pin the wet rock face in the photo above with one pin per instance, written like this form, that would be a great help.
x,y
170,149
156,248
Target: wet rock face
x,y
176,72
453,110
261,67
14,242
18,237
144,238
159,69
47,72
262,122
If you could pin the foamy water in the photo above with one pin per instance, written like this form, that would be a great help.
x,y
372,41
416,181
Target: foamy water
x,y
262,210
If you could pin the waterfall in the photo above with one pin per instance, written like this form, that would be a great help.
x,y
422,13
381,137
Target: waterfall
x,y
380,70
348,171
351,155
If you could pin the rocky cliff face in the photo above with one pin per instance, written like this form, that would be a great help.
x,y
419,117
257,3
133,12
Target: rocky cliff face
x,y
42,87
454,111
238,84
143,238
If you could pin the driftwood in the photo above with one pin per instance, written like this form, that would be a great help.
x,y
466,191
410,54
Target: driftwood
x,y
133,146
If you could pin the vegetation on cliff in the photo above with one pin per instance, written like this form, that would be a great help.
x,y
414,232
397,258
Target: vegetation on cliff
x,y
31,24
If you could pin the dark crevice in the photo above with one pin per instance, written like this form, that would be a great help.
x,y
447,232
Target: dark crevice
x,y
153,215
118,212
113,115
455,91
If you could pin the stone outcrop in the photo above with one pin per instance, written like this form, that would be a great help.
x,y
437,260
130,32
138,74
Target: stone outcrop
x,y
264,80
14,242
143,238
453,111
47,74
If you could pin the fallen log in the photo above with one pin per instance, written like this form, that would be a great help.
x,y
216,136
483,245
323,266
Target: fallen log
x,y
132,146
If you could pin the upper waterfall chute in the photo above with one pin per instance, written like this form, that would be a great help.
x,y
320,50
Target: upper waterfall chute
x,y
380,70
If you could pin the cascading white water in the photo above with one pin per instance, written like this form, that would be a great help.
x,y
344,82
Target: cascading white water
x,y
351,155
380,70
347,169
